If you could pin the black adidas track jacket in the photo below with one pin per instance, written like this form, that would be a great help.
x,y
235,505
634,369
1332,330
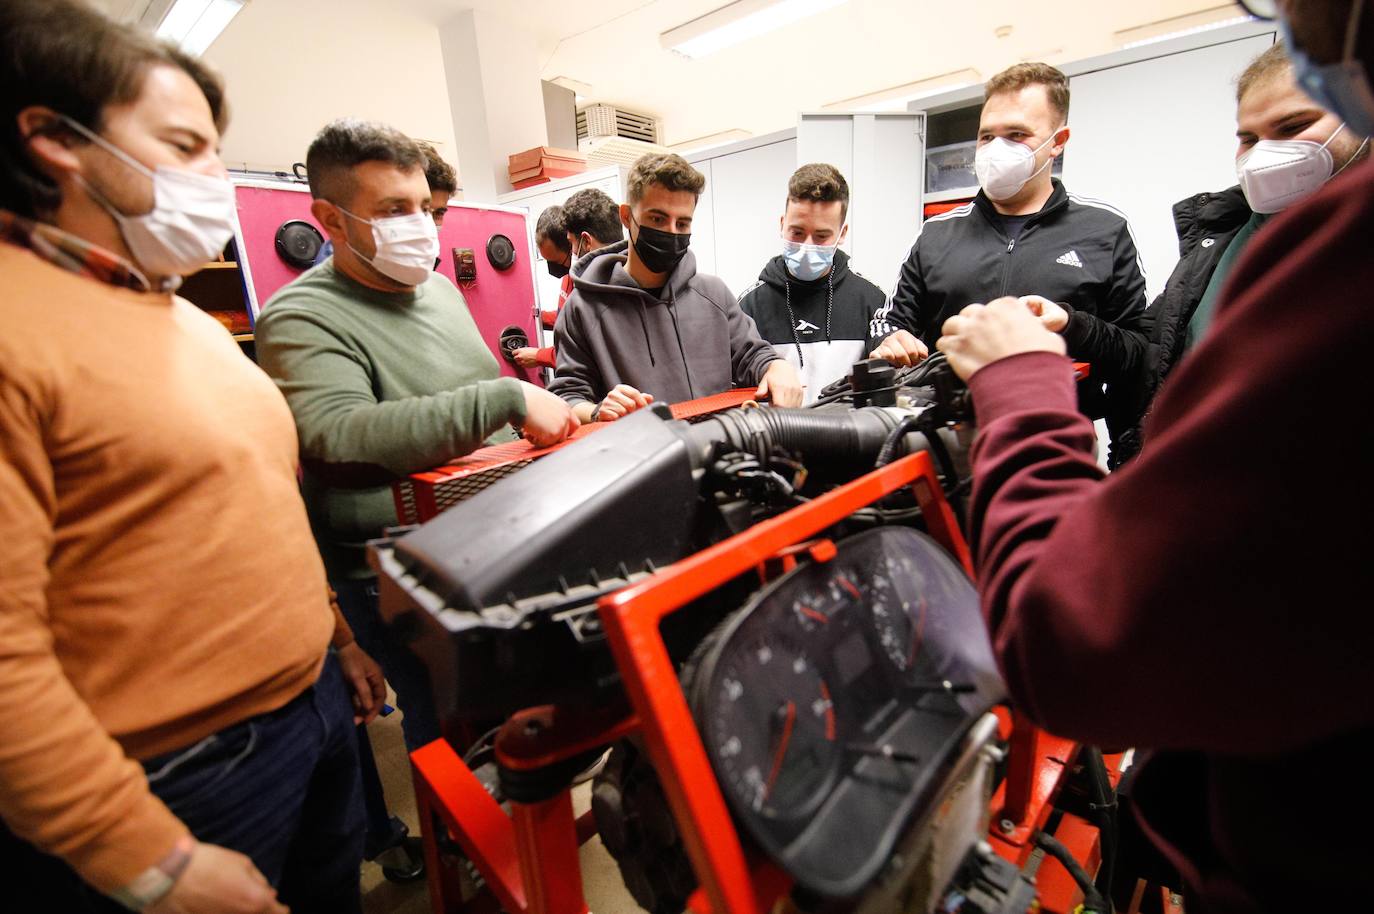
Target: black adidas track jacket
x,y
1076,251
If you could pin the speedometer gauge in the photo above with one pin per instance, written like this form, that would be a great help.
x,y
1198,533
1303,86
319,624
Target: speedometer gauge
x,y
780,770
816,705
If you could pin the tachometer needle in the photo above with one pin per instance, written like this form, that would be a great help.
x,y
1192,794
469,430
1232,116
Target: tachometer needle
x,y
781,752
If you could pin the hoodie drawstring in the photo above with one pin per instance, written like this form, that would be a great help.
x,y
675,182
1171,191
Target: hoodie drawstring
x,y
792,321
792,318
672,312
644,325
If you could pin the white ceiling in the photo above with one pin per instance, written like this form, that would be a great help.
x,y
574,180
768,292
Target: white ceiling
x,y
860,47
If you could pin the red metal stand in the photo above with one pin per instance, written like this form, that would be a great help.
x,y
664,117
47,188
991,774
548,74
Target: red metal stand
x,y
529,858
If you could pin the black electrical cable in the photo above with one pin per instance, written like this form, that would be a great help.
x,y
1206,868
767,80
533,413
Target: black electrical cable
x,y
1104,807
1093,902
888,451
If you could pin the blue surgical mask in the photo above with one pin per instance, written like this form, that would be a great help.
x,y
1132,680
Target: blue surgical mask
x,y
1344,87
807,262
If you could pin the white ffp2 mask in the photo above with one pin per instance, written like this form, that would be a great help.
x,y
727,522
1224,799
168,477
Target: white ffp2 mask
x,y
406,246
192,218
1004,166
1275,174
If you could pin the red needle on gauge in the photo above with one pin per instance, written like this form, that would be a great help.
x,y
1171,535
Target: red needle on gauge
x,y
781,751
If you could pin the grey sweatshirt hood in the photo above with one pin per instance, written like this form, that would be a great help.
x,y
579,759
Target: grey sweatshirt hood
x,y
604,273
693,341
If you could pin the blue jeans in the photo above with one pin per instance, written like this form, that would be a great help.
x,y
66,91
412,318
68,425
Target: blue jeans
x,y
405,672
282,788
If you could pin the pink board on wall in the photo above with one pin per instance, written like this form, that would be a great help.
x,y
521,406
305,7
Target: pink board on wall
x,y
262,210
497,298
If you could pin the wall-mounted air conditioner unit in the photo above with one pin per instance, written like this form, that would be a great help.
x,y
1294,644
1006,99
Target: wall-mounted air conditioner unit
x,y
613,136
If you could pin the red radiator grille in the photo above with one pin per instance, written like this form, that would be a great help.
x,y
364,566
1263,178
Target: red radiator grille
x,y
421,496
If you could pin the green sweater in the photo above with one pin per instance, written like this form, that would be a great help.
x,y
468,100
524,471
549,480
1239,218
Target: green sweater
x,y
381,385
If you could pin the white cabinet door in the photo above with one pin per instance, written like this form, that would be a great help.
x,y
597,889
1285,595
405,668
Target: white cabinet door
x,y
746,191
1148,134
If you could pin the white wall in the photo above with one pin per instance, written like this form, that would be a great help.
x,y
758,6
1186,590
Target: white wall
x,y
735,231
492,67
292,67
882,156
1148,134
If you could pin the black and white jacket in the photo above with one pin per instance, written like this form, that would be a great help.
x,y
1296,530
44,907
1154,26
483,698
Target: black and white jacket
x,y
823,326
1076,251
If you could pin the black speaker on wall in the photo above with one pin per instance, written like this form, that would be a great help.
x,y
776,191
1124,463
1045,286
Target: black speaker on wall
x,y
299,243
501,252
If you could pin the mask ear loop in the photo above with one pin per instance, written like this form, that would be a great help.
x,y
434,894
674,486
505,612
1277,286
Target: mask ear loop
x,y
1050,160
348,243
1350,161
1336,134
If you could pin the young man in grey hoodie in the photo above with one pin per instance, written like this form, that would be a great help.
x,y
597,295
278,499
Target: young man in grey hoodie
x,y
642,325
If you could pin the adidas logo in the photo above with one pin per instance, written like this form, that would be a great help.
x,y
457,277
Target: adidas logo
x,y
1069,259
805,326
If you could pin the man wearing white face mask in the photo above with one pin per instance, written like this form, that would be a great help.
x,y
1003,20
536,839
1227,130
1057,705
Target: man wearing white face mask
x,y
176,736
1026,235
1289,148
808,303
385,372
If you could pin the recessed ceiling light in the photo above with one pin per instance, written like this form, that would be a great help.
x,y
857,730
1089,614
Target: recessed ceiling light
x,y
738,22
195,24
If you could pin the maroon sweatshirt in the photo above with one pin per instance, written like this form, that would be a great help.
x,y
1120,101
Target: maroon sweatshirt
x,y
1214,601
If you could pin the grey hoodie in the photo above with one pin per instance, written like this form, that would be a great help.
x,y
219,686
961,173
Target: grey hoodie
x,y
693,342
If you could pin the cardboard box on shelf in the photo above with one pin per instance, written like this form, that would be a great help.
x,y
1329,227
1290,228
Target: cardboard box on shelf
x,y
529,158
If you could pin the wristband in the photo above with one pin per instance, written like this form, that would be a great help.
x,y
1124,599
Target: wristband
x,y
152,885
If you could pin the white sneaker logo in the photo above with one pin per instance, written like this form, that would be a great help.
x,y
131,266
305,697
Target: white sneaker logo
x,y
1069,259
805,326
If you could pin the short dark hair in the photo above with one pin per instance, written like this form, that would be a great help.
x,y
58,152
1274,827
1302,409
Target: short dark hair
x,y
550,227
819,183
592,211
345,144
63,55
669,171
1272,63
1019,76
438,173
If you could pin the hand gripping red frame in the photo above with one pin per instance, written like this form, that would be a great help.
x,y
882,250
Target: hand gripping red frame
x,y
529,859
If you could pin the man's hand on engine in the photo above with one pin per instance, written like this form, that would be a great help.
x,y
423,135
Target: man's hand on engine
x,y
780,384
1052,315
901,349
982,334
620,402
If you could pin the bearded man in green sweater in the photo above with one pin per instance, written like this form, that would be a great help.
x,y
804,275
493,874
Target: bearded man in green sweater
x,y
385,372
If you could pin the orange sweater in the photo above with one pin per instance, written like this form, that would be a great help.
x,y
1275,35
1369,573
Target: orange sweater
x,y
158,579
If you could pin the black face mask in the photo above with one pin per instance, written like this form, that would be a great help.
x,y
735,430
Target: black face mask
x,y
658,250
558,270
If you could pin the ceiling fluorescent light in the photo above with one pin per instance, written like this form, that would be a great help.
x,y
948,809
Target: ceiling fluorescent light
x,y
894,98
195,24
1177,26
738,22
712,140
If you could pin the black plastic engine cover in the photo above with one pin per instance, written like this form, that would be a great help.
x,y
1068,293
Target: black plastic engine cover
x,y
496,595
607,504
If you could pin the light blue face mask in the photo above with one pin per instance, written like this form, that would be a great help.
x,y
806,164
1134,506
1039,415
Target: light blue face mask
x,y
1343,88
808,262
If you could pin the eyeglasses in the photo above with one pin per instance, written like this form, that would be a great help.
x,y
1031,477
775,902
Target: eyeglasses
x,y
1261,9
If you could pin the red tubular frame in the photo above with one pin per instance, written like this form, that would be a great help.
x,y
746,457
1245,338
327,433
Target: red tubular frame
x,y
529,859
